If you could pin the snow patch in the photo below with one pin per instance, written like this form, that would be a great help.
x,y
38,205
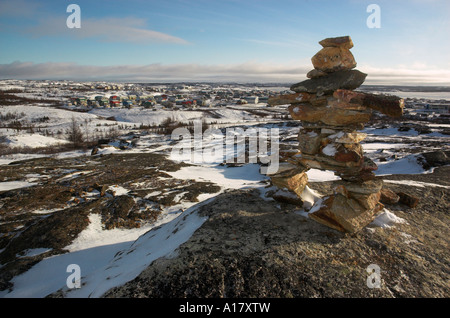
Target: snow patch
x,y
130,262
316,175
95,235
246,176
387,219
118,190
419,184
33,141
12,185
405,165
33,252
329,150
309,198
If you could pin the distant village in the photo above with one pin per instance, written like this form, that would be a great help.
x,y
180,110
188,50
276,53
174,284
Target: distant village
x,y
156,96
427,108
175,96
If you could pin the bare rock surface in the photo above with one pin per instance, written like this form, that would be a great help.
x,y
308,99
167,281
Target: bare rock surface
x,y
250,247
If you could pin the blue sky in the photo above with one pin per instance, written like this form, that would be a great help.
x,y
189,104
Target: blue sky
x,y
239,40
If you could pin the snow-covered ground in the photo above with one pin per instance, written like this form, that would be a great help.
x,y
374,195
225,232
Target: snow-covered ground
x,y
11,185
109,258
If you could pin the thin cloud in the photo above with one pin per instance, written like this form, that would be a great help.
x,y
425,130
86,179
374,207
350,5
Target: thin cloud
x,y
19,8
243,72
249,71
122,30
417,73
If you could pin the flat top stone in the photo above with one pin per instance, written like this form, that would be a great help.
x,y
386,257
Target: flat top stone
x,y
341,41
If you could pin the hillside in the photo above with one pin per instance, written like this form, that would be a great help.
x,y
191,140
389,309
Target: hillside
x,y
249,247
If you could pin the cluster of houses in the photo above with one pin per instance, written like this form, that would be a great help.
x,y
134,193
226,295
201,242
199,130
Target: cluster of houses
x,y
175,98
130,101
169,95
427,108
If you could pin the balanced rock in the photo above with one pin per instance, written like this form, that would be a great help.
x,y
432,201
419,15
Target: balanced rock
x,y
331,113
346,152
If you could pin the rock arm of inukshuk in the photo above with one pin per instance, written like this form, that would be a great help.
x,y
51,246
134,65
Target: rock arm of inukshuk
x,y
331,113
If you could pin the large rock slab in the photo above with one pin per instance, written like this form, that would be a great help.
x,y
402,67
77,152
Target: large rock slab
x,y
328,115
298,98
345,79
295,183
344,214
386,104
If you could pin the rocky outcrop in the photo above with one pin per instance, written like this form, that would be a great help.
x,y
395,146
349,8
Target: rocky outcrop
x,y
250,247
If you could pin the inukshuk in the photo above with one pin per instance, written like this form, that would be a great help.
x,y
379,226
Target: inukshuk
x,y
331,113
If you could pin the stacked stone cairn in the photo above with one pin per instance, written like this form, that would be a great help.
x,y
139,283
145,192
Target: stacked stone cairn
x,y
332,112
